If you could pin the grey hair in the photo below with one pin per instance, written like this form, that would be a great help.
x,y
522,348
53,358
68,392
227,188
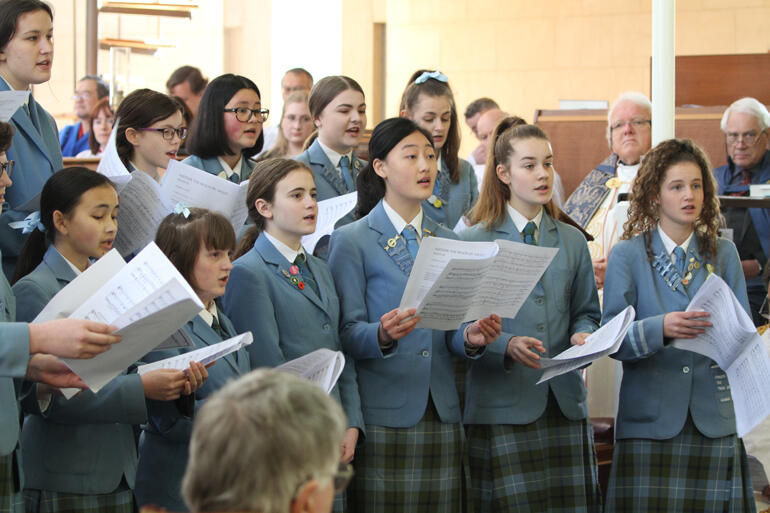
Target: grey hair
x,y
750,106
257,440
629,96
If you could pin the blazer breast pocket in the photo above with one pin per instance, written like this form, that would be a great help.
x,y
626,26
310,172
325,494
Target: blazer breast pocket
x,y
561,285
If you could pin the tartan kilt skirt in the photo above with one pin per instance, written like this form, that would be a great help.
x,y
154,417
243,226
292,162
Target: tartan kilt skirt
x,y
420,469
547,465
46,501
11,498
689,472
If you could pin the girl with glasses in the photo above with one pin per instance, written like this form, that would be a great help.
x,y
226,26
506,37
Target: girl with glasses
x,y
228,128
295,127
150,129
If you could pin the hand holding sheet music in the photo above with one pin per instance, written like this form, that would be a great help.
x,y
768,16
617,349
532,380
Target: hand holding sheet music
x,y
322,367
603,342
734,344
204,355
455,281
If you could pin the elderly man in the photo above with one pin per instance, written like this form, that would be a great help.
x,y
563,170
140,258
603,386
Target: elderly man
x,y
473,113
296,79
267,442
188,83
745,125
74,138
594,204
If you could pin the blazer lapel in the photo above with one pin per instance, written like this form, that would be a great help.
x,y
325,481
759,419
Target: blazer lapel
x,y
390,241
59,266
661,262
328,169
209,337
29,127
281,267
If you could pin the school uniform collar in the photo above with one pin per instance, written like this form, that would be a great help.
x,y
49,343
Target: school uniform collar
x,y
62,268
209,337
8,85
662,263
333,156
391,240
520,221
236,170
399,223
288,253
670,245
209,313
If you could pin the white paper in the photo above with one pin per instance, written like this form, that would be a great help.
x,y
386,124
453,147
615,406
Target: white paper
x,y
194,187
734,344
456,281
603,342
329,212
460,226
205,355
110,164
142,208
10,101
322,367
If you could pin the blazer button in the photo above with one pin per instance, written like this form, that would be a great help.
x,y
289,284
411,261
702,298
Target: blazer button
x,y
539,300
541,327
326,326
685,369
425,354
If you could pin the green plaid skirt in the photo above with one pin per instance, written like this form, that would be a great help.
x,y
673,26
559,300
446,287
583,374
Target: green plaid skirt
x,y
689,472
46,501
548,465
410,470
11,498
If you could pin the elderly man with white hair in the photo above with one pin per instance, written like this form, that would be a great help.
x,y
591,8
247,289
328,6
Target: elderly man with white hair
x,y
594,204
268,442
745,125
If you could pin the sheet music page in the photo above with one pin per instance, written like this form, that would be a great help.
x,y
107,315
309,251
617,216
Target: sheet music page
x,y
329,212
204,355
10,101
322,367
734,344
603,342
194,187
82,287
433,256
110,164
179,338
142,327
143,205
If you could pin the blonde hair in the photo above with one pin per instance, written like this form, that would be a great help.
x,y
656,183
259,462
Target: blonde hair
x,y
281,147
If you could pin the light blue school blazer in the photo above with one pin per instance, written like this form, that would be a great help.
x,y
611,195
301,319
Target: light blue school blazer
x,y
457,198
165,439
212,165
35,148
287,322
564,302
86,444
661,383
371,277
14,357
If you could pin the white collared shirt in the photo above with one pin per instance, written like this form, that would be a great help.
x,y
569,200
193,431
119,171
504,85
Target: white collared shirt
x,y
208,313
670,245
288,253
520,221
335,157
227,170
10,87
399,223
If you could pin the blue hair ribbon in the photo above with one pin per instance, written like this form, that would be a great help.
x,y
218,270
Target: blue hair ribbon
x,y
29,223
435,75
180,208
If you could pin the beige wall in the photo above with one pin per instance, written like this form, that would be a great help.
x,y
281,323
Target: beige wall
x,y
530,54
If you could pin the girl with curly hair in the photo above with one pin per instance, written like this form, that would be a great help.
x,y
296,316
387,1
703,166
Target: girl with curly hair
x,y
676,447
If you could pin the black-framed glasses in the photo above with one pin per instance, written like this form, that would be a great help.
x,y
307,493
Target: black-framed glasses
x,y
169,133
636,123
7,167
244,114
748,138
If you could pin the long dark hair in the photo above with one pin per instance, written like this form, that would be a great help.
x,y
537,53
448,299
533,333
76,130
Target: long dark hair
x,y
62,192
140,109
208,138
385,136
262,182
436,88
10,10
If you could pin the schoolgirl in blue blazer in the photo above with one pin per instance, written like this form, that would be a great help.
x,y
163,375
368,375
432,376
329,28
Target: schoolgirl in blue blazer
x,y
80,452
405,375
675,412
228,128
524,438
35,148
199,243
429,102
